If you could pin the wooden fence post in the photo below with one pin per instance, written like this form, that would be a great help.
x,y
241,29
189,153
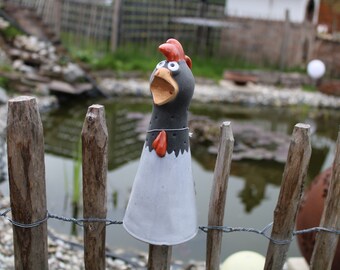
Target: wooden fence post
x,y
218,196
290,196
26,170
159,257
94,149
326,243
117,8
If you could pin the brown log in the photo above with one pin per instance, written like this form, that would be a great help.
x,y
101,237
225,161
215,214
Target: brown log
x,y
218,196
290,196
159,257
326,243
26,170
94,150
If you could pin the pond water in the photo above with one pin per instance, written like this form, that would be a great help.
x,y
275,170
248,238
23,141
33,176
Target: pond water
x,y
253,185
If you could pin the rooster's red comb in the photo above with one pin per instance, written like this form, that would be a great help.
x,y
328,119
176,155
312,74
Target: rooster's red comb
x,y
173,51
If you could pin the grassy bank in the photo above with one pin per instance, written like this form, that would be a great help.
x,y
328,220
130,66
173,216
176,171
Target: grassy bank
x,y
144,59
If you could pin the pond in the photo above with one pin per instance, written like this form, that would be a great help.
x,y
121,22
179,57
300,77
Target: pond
x,y
253,185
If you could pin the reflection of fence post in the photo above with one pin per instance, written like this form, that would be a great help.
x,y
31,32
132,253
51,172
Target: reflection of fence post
x,y
26,169
326,243
94,145
117,8
290,196
218,196
159,257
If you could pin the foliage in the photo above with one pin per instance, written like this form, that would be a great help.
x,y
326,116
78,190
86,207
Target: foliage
x,y
10,32
4,82
309,88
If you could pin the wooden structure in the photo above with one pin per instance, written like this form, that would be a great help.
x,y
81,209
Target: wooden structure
x,y
28,195
120,23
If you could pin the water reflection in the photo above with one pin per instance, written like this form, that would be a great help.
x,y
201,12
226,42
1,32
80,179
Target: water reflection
x,y
63,127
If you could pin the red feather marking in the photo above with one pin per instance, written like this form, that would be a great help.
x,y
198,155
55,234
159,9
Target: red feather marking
x,y
170,51
173,51
160,144
178,46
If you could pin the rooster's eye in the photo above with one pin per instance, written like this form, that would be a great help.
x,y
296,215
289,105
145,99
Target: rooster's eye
x,y
173,66
160,64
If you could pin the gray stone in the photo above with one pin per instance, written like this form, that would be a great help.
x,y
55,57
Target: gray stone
x,y
72,72
3,96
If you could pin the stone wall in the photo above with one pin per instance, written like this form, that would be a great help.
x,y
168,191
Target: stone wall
x,y
280,44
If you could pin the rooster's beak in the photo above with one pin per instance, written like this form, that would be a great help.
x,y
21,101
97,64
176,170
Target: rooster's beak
x,y
163,87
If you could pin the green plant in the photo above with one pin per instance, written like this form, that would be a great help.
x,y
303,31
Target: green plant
x,y
10,32
309,88
4,82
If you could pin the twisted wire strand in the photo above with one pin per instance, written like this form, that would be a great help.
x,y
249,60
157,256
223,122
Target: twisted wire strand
x,y
80,222
265,232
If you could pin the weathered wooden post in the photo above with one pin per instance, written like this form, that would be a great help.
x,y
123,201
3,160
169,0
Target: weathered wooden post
x,y
116,14
218,196
290,196
159,257
94,149
326,243
26,170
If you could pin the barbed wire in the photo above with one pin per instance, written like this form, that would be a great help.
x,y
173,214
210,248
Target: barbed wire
x,y
265,232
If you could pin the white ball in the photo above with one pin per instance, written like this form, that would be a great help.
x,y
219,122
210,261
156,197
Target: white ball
x,y
316,69
244,260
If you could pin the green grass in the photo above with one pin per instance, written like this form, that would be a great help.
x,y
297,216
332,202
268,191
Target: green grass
x,y
144,59
4,82
309,88
132,58
10,32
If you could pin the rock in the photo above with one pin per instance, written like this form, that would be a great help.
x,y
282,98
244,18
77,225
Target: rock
x,y
37,78
3,120
42,89
114,87
17,64
60,86
15,53
251,142
83,87
239,78
57,69
72,73
3,24
3,96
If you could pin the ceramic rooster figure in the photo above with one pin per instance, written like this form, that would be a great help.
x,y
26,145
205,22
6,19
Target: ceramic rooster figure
x,y
162,206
